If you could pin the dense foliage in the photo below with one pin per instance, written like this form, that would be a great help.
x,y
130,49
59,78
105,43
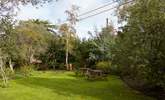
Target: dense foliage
x,y
139,52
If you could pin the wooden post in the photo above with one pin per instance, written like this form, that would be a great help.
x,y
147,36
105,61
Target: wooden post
x,y
71,67
107,22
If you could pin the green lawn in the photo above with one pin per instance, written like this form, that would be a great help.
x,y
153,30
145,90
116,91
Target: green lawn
x,y
65,86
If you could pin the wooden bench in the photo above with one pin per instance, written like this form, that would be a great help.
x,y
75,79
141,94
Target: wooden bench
x,y
94,74
84,71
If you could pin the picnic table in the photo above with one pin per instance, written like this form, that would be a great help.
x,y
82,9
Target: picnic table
x,y
94,74
84,71
91,74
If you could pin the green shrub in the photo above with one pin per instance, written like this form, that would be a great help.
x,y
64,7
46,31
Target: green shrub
x,y
27,70
103,65
62,66
114,70
77,72
9,73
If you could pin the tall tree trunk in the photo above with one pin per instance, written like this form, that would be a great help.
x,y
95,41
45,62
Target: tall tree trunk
x,y
3,74
31,58
11,66
31,55
67,50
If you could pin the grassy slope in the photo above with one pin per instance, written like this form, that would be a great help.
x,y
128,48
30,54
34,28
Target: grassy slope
x,y
64,86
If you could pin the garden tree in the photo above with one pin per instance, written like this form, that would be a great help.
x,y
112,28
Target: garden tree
x,y
69,38
139,50
5,30
104,41
9,43
98,48
81,54
21,43
54,57
7,40
32,39
69,31
86,57
8,9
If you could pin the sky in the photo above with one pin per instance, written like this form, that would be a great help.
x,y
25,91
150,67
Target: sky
x,y
55,11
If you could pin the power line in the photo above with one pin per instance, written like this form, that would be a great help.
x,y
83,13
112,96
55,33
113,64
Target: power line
x,y
104,11
96,14
101,11
97,8
105,5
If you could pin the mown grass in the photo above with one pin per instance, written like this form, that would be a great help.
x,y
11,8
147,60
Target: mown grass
x,y
65,86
